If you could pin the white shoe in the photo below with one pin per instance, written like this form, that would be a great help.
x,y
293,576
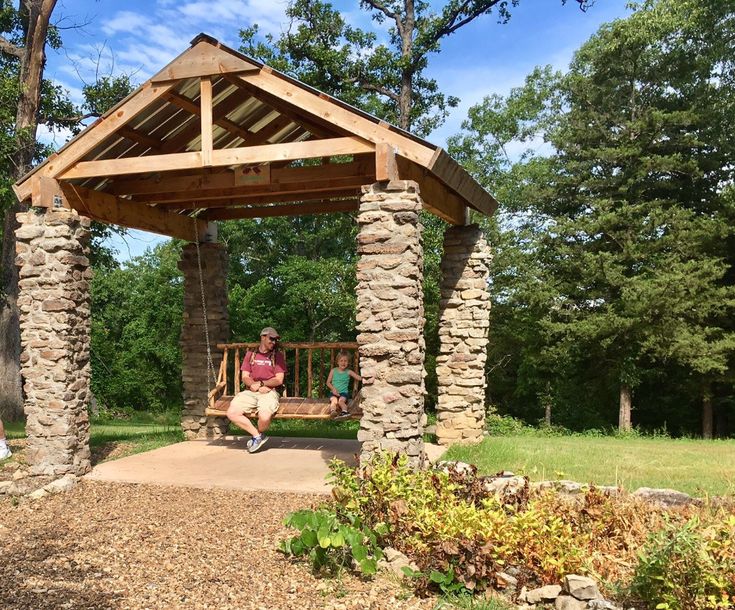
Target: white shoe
x,y
5,453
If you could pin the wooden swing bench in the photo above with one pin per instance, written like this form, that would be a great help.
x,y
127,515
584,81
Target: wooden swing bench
x,y
307,368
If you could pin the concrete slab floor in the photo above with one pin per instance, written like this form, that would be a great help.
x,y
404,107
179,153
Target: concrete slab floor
x,y
298,465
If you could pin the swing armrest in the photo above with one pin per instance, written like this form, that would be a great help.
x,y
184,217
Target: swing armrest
x,y
215,392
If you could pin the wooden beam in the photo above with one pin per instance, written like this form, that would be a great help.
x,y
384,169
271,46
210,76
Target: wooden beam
x,y
308,104
437,198
386,168
93,135
245,191
203,59
205,103
254,199
250,155
113,210
451,173
294,209
363,167
290,151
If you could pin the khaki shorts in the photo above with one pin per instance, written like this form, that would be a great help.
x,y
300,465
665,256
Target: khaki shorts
x,y
254,402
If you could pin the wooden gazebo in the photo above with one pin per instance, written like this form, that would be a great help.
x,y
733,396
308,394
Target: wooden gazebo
x,y
217,135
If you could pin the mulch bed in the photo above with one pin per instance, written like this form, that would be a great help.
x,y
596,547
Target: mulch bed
x,y
120,546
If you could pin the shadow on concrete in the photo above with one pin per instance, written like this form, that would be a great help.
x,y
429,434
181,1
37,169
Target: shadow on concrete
x,y
346,450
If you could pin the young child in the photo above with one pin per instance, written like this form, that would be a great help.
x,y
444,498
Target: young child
x,y
338,383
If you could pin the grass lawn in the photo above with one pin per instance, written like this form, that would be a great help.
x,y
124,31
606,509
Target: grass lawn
x,y
692,466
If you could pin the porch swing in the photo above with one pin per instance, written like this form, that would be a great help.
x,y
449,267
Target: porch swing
x,y
311,375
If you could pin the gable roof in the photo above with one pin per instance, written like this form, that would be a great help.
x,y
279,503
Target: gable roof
x,y
215,134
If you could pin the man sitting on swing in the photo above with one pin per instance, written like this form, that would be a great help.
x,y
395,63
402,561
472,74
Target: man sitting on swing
x,y
263,371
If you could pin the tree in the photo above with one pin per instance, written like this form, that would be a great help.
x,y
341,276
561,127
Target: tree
x,y
24,35
385,78
638,217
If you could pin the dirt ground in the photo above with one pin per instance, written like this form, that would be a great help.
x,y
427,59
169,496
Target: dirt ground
x,y
121,546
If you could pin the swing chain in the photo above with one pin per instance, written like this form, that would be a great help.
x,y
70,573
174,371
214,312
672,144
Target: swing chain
x,y
211,375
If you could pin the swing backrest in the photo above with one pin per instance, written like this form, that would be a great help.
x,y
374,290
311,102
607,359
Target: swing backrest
x,y
307,364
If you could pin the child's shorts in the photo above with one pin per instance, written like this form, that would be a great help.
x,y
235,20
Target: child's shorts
x,y
344,395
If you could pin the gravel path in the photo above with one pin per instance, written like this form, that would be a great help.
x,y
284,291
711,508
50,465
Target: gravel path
x,y
117,546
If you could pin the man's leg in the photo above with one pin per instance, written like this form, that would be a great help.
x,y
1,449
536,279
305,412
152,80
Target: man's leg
x,y
244,401
267,408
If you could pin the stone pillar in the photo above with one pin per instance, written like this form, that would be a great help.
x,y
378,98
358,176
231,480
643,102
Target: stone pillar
x,y
390,317
196,382
52,248
463,336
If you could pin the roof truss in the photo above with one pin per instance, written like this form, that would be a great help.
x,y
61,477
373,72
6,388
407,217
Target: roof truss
x,y
216,135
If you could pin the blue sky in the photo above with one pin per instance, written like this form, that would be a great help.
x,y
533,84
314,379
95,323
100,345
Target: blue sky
x,y
139,37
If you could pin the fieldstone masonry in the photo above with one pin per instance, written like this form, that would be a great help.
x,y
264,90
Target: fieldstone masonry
x,y
196,382
52,248
390,319
463,336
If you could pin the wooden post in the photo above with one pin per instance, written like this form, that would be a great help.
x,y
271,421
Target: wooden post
x,y
309,374
296,374
206,120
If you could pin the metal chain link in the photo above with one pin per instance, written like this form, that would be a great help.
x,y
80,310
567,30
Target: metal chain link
x,y
211,375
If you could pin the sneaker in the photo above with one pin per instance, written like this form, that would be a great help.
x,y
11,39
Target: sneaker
x,y
5,453
256,443
342,415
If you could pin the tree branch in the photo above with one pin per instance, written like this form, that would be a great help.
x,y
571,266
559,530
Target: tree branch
x,y
363,84
379,6
9,48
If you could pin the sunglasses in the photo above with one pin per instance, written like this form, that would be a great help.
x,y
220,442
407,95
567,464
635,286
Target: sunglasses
x,y
274,339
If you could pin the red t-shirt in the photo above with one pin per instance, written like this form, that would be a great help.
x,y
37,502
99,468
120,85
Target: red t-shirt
x,y
260,366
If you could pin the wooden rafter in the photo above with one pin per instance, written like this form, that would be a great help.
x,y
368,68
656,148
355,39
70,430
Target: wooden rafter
x,y
315,125
306,104
102,128
205,113
192,107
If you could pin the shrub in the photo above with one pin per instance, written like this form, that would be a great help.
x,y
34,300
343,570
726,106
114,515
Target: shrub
x,y
688,567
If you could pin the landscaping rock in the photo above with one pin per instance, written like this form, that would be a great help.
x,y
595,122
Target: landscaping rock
x,y
506,581
581,587
567,602
5,487
394,561
38,494
665,497
65,483
543,594
601,604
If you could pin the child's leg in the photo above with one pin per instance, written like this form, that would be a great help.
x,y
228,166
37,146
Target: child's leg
x,y
343,404
333,403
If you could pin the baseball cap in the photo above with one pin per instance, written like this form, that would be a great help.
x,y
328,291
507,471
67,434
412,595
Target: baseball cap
x,y
271,332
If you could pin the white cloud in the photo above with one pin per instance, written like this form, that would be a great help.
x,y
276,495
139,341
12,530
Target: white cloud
x,y
125,22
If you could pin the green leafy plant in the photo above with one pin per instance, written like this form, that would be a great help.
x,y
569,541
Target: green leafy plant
x,y
688,567
332,545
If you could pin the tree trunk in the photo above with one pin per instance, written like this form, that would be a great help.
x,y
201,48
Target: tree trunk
x,y
707,413
35,15
405,100
626,406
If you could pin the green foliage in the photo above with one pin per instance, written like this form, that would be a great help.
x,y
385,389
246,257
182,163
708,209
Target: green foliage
x,y
688,567
332,543
137,311
614,253
458,534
